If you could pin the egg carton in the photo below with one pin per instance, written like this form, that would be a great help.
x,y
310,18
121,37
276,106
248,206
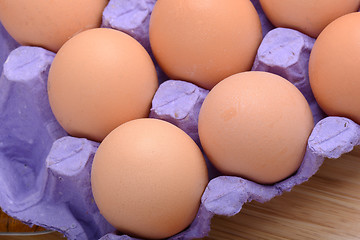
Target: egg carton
x,y
45,174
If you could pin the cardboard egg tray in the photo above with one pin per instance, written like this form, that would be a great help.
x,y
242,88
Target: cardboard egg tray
x,y
45,174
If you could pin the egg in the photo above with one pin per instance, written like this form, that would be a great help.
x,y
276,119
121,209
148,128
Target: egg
x,y
49,24
307,16
148,177
204,41
334,68
255,125
98,80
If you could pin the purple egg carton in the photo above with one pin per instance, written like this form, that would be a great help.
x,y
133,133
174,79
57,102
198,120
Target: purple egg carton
x,y
45,174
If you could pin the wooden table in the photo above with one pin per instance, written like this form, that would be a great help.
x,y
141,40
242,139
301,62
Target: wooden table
x,y
325,207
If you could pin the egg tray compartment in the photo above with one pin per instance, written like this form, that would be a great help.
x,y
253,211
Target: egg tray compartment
x,y
45,174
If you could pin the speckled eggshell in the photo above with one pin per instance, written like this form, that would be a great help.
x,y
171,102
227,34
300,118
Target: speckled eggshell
x,y
255,125
307,16
148,177
49,24
98,80
334,68
204,42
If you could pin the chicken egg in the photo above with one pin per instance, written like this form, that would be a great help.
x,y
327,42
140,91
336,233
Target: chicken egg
x,y
49,24
148,177
334,68
204,41
307,16
98,80
255,125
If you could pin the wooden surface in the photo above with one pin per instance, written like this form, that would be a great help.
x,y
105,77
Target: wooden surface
x,y
325,207
8,224
11,229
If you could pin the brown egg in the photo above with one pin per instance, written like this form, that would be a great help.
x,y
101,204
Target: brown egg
x,y
307,16
334,68
148,177
204,41
255,125
100,79
49,24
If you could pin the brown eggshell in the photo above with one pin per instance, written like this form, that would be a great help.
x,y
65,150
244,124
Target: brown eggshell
x,y
148,177
98,80
204,41
307,16
49,24
334,68
255,125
